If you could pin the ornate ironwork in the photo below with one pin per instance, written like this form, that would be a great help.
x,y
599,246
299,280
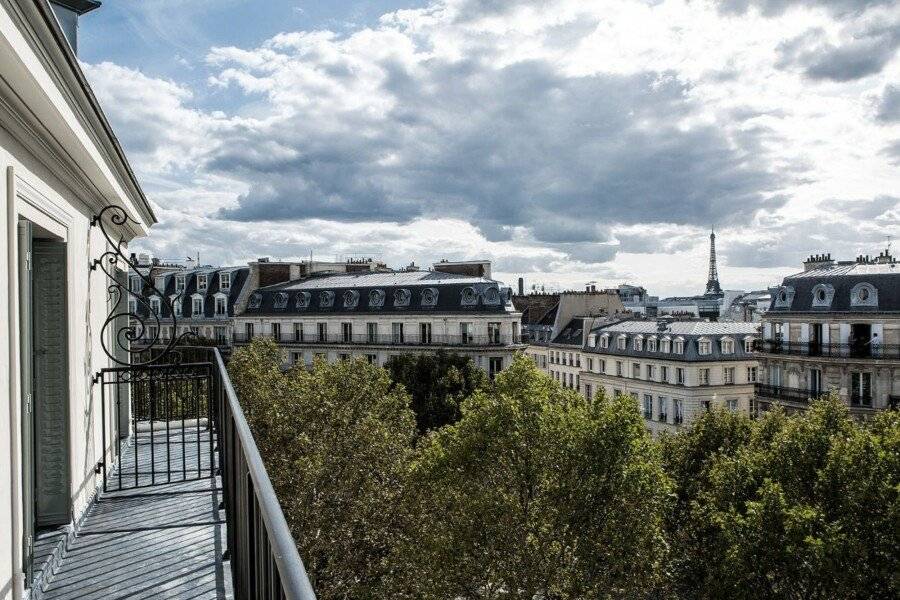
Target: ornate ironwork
x,y
139,326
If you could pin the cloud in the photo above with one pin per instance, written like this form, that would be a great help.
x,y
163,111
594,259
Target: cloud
x,y
778,7
545,135
864,52
889,105
405,135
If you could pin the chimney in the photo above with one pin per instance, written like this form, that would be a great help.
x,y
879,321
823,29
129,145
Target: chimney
x,y
67,13
521,286
817,261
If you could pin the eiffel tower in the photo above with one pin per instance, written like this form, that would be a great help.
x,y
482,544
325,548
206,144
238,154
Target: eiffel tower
x,y
712,283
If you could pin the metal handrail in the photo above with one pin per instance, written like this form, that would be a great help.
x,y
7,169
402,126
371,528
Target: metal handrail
x,y
264,558
382,339
830,350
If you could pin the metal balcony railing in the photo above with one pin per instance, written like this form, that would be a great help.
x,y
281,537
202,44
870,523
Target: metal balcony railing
x,y
814,349
264,558
789,394
383,339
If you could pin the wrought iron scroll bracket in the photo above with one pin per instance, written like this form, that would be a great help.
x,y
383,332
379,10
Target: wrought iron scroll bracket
x,y
142,318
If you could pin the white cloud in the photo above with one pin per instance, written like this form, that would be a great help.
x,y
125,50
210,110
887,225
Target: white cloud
x,y
577,137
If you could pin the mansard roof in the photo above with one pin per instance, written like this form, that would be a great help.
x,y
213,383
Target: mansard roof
x,y
381,292
841,283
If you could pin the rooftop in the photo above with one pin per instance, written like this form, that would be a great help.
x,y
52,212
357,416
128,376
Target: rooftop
x,y
376,279
647,327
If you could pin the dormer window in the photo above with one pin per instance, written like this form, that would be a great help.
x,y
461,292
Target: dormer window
x,y
679,346
592,340
202,282
221,306
784,297
155,305
665,345
604,341
132,306
748,344
621,342
280,301
179,284
727,345
196,306
136,285
176,305
255,300
704,347
225,281
823,294
638,344
864,295
651,344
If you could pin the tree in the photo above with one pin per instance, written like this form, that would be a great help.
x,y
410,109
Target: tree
x,y
534,493
789,507
438,383
336,442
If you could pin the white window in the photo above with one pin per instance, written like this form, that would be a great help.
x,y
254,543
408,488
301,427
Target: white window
x,y
751,374
397,332
651,344
220,333
154,305
136,285
202,282
728,375
372,332
677,411
621,342
296,357
298,332
748,344
665,345
425,332
732,404
493,333
679,346
604,341
651,372
179,284
322,330
276,331
602,364
619,368
704,346
636,370
176,305
225,281
638,344
132,306
347,332
664,374
221,306
197,307
372,359
679,375
662,408
704,376
727,346
465,333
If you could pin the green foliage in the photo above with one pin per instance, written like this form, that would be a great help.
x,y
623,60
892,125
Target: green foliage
x,y
786,507
534,493
336,442
438,383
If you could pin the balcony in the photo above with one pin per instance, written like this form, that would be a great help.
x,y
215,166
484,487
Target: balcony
x,y
786,394
437,341
813,349
187,509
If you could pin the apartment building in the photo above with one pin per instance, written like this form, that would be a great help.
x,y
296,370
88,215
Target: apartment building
x,y
675,370
61,168
835,326
375,315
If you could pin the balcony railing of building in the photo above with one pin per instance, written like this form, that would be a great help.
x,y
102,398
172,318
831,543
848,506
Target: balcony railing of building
x,y
804,396
814,349
383,339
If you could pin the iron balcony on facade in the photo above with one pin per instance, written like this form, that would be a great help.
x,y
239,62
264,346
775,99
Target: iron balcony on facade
x,y
820,350
786,394
388,339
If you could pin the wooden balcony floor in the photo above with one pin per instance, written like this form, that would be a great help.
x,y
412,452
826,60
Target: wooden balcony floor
x,y
158,541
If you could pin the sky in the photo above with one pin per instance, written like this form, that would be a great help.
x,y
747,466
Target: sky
x,y
568,141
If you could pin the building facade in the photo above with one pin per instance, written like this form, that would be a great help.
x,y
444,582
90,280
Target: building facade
x,y
674,370
835,326
376,315
61,167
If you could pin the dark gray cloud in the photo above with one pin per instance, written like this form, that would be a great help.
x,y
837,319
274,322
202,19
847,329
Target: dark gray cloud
x,y
777,7
520,146
889,105
865,54
892,151
882,206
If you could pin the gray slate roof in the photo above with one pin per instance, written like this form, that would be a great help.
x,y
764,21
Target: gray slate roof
x,y
843,277
690,331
